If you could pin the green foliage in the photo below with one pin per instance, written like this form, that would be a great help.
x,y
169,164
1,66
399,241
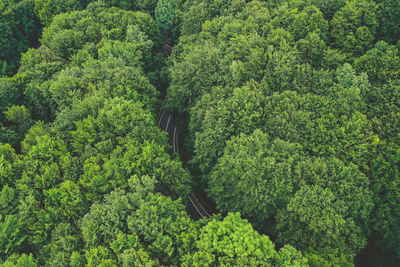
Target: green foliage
x,y
11,235
8,165
160,221
123,46
386,185
47,9
233,241
316,211
197,12
108,77
389,17
354,27
20,261
290,115
19,30
231,76
259,178
254,176
333,209
137,226
381,63
165,14
306,119
310,19
329,260
289,256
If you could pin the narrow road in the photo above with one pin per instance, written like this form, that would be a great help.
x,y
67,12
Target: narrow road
x,y
196,209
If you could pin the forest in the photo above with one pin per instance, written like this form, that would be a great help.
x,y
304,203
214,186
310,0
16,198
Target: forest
x,y
288,117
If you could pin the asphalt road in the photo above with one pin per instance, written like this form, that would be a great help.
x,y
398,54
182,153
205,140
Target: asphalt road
x,y
195,208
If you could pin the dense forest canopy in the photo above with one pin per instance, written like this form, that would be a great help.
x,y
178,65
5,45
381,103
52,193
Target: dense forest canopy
x,y
288,114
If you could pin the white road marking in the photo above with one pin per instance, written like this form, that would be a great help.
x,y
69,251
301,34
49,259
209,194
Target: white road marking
x,y
173,140
162,115
190,198
166,128
200,205
177,145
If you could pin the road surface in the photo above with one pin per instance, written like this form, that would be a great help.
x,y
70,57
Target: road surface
x,y
196,209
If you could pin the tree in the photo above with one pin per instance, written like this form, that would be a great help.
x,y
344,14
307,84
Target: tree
x,y
19,30
20,119
8,200
65,241
105,220
255,176
44,164
66,200
354,27
195,13
381,63
215,123
313,49
9,165
137,226
128,120
330,211
389,14
108,77
234,241
195,73
99,256
165,15
289,256
20,261
309,20
11,235
159,222
385,184
47,9
133,161
329,8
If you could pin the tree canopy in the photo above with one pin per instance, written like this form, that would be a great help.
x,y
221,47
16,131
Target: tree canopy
x,y
287,133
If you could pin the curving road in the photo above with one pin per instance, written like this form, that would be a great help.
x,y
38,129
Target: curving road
x,y
196,209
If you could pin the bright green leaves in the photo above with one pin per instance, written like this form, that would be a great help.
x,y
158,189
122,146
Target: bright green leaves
x,y
289,256
44,164
332,206
47,9
234,241
116,122
20,261
136,226
160,221
94,74
11,235
195,73
120,41
66,200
